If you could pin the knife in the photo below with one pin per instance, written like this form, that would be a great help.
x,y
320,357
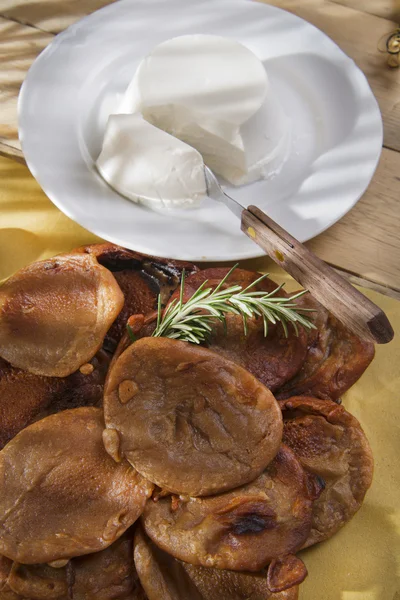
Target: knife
x,y
349,305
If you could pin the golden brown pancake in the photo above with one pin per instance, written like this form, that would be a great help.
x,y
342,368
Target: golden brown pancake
x,y
189,420
6,593
218,584
162,576
336,357
330,444
54,314
107,574
141,278
166,578
243,529
273,359
61,494
39,582
25,397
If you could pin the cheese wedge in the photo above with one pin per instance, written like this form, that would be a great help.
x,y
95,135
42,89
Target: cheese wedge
x,y
214,94
147,165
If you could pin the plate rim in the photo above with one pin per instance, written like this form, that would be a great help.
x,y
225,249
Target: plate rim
x,y
347,64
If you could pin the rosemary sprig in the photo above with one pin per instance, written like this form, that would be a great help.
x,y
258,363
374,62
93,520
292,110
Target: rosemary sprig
x,y
131,335
191,321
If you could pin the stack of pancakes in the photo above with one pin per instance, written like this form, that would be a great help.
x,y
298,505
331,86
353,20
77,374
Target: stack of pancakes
x,y
157,468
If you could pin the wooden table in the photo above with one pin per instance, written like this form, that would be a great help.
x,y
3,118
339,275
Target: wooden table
x,y
365,244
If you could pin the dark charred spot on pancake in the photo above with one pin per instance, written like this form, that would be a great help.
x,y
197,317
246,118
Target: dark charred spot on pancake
x,y
168,274
252,523
247,518
161,278
315,485
115,258
141,279
289,411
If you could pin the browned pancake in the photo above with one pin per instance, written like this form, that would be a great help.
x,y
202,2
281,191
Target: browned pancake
x,y
54,314
330,444
273,359
61,495
25,397
141,278
166,578
243,529
189,420
39,582
336,358
106,575
6,593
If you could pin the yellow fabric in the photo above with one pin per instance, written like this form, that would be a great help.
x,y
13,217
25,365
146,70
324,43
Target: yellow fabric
x,y
362,561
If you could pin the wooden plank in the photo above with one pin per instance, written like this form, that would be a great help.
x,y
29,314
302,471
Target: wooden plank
x,y
370,285
388,9
12,152
358,34
366,236
366,241
19,46
52,16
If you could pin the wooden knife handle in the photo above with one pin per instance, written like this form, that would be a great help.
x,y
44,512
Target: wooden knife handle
x,y
349,305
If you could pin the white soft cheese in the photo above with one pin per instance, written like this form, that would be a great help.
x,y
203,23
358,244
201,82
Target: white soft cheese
x,y
214,94
147,165
212,75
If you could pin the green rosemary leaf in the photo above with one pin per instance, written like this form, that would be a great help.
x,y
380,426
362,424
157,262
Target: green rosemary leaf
x,y
245,326
254,283
221,283
182,288
285,328
158,310
191,321
131,335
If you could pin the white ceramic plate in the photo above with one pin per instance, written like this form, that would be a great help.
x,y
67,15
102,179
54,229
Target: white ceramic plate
x,y
74,84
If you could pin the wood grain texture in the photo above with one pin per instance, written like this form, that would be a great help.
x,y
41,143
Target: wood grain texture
x,y
388,9
334,292
19,46
366,241
52,16
358,34
12,152
370,285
